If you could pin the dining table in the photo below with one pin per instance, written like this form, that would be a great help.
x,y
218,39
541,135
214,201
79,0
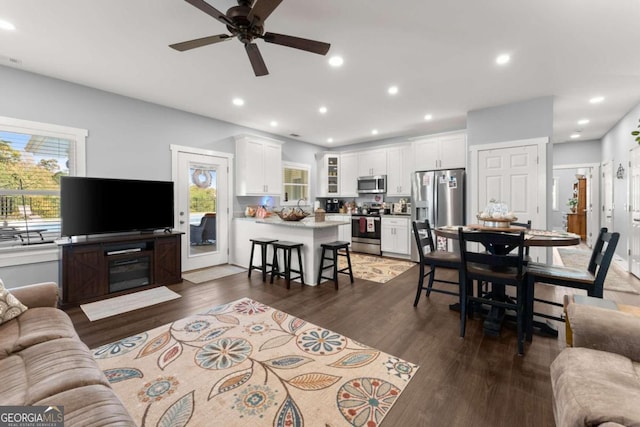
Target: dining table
x,y
532,238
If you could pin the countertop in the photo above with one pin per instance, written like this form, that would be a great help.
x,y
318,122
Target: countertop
x,y
305,223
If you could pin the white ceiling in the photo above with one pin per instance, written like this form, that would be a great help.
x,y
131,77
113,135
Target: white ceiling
x,y
439,53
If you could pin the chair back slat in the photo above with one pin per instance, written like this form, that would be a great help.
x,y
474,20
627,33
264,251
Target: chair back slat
x,y
423,237
498,246
603,259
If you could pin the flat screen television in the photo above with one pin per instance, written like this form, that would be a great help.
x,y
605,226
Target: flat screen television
x,y
105,205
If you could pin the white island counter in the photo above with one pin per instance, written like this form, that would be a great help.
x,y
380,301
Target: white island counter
x,y
308,232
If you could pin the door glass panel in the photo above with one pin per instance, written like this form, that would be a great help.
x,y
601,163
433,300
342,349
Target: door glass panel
x,y
202,209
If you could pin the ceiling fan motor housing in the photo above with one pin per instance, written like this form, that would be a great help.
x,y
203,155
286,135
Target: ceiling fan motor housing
x,y
244,29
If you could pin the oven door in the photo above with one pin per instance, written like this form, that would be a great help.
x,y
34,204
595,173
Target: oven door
x,y
365,234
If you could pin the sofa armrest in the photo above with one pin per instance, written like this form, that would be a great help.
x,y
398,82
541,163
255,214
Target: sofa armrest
x,y
604,329
37,295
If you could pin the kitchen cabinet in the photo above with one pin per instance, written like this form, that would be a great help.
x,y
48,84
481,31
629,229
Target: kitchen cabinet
x,y
395,235
441,152
344,231
258,166
328,174
399,170
372,162
349,175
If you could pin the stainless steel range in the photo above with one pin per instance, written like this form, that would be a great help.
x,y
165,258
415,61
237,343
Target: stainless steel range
x,y
366,232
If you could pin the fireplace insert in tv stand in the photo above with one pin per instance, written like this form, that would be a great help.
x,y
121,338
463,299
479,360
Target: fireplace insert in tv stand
x,y
94,268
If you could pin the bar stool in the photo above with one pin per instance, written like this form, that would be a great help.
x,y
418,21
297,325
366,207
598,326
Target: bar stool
x,y
334,247
287,248
264,243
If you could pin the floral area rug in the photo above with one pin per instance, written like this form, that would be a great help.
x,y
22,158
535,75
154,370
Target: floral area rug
x,y
246,364
375,268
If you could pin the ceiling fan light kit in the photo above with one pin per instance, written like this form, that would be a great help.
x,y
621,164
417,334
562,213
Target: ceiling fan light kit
x,y
246,23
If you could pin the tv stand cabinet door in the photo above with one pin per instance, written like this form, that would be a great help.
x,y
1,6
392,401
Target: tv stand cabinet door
x,y
84,273
167,262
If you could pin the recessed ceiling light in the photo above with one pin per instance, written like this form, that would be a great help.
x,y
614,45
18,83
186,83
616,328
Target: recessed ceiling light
x,y
583,121
428,117
374,132
322,110
273,123
329,140
238,102
575,135
336,61
596,99
503,59
393,90
6,25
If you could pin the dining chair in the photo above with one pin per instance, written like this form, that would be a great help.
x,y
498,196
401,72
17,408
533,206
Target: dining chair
x,y
590,278
527,226
492,261
430,259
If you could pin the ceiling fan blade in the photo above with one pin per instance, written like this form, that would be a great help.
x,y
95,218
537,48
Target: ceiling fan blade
x,y
259,67
211,11
313,46
262,9
204,41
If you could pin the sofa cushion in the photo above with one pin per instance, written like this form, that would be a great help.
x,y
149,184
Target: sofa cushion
x,y
592,387
90,406
10,307
34,326
48,368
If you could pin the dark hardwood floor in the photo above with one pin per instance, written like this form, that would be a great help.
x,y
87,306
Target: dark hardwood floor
x,y
473,381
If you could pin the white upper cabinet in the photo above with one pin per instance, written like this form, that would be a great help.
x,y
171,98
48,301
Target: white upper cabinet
x,y
441,152
372,162
349,175
258,166
329,172
399,170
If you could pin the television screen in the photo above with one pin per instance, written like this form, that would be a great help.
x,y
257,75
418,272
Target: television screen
x,y
103,205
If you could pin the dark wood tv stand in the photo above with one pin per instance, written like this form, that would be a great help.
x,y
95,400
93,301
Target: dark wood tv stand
x,y
93,268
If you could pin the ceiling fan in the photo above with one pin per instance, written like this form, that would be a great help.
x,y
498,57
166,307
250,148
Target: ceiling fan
x,y
247,24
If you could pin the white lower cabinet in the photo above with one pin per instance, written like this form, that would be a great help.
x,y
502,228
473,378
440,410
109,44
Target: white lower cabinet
x,y
344,231
395,235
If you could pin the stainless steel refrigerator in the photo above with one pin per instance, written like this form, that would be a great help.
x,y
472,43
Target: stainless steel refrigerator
x,y
438,196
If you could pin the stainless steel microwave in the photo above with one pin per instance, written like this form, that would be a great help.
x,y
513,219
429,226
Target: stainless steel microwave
x,y
372,184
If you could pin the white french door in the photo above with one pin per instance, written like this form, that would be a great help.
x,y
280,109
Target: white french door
x,y
202,206
512,175
634,211
607,195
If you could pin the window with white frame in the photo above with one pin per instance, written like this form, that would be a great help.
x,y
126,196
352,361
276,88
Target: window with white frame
x,y
33,157
295,183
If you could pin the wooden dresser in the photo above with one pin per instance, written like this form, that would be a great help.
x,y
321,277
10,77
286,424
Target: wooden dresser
x,y
577,222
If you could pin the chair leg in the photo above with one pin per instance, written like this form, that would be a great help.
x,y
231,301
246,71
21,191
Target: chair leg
x,y
300,267
432,273
349,264
531,283
264,262
463,306
274,264
420,284
520,310
321,267
335,268
287,267
253,246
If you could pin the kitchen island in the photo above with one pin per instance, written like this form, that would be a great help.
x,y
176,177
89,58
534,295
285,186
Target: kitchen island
x,y
308,232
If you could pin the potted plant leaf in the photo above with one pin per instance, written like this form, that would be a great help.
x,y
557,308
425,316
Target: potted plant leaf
x,y
636,134
573,203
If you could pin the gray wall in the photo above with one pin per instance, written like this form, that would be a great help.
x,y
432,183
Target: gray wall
x,y
128,138
615,146
577,152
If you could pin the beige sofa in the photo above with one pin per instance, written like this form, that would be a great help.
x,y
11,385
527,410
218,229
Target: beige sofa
x,y
43,362
597,381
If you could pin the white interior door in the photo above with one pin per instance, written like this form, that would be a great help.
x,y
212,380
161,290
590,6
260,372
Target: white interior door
x,y
510,175
202,188
607,195
593,202
634,212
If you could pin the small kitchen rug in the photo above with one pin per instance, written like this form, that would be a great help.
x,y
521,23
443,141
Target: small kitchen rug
x,y
129,302
212,273
247,364
375,268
